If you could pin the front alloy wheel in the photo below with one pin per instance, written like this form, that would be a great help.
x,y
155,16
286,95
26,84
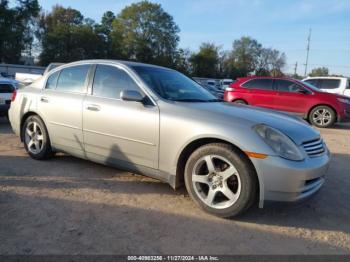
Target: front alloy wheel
x,y
216,181
221,179
322,116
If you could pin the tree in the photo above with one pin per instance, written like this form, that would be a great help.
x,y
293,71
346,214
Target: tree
x,y
245,55
320,71
66,36
182,61
270,62
205,63
147,33
111,46
16,29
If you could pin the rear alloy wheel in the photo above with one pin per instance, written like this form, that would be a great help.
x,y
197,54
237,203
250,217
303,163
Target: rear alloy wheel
x,y
36,138
322,116
220,180
240,101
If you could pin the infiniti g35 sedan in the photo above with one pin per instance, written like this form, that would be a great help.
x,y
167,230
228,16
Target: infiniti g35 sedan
x,y
157,122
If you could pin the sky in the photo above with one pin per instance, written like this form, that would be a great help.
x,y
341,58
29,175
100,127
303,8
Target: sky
x,y
280,24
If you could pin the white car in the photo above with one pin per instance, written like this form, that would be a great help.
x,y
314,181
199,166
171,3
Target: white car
x,y
336,85
225,83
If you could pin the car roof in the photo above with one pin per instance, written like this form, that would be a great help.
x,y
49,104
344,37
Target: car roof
x,y
326,77
246,78
126,63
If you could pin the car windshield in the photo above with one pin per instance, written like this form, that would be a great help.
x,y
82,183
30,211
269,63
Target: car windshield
x,y
172,85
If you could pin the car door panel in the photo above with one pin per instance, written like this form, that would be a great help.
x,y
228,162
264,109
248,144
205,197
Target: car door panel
x,y
62,108
63,115
259,92
116,130
288,97
120,130
263,98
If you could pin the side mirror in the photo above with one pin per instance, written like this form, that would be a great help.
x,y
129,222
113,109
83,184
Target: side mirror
x,y
131,95
303,91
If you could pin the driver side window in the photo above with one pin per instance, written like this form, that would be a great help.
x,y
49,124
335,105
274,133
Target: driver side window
x,y
287,86
110,81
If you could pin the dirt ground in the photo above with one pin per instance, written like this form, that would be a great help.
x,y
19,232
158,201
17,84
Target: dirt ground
x,y
71,206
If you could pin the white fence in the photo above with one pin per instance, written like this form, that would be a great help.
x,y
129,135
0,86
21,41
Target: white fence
x,y
10,70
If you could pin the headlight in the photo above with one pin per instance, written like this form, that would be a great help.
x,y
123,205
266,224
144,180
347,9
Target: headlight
x,y
279,142
344,100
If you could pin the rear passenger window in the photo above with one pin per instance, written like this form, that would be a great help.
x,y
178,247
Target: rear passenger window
x,y
109,81
265,84
52,81
330,83
72,79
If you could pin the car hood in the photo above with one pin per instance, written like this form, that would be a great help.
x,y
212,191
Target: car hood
x,y
294,127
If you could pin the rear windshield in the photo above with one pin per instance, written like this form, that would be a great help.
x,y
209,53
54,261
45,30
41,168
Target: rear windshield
x,y
6,88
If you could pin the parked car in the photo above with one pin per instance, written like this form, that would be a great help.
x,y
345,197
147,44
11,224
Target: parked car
x,y
214,88
7,87
225,83
285,94
157,122
336,85
27,78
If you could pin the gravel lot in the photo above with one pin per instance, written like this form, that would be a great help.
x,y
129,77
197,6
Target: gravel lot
x,y
71,206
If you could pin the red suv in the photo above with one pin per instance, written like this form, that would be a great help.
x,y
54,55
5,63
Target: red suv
x,y
290,95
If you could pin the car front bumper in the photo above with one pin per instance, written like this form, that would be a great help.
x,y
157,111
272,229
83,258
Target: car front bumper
x,y
283,180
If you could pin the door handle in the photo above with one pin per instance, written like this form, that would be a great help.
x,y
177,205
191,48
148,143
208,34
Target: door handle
x,y
44,99
95,108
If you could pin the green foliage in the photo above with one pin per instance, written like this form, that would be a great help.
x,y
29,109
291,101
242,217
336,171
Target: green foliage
x,y
247,57
320,71
250,57
147,33
205,62
16,29
142,32
182,61
66,36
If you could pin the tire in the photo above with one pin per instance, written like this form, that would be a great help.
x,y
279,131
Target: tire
x,y
240,101
239,178
36,138
322,116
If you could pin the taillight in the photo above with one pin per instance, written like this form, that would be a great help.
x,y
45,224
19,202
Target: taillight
x,y
14,94
230,89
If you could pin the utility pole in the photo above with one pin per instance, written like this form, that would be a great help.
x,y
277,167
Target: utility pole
x,y
295,68
307,51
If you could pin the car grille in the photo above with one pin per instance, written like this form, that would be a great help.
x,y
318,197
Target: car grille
x,y
314,147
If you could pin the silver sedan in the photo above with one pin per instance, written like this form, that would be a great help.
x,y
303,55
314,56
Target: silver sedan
x,y
157,122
